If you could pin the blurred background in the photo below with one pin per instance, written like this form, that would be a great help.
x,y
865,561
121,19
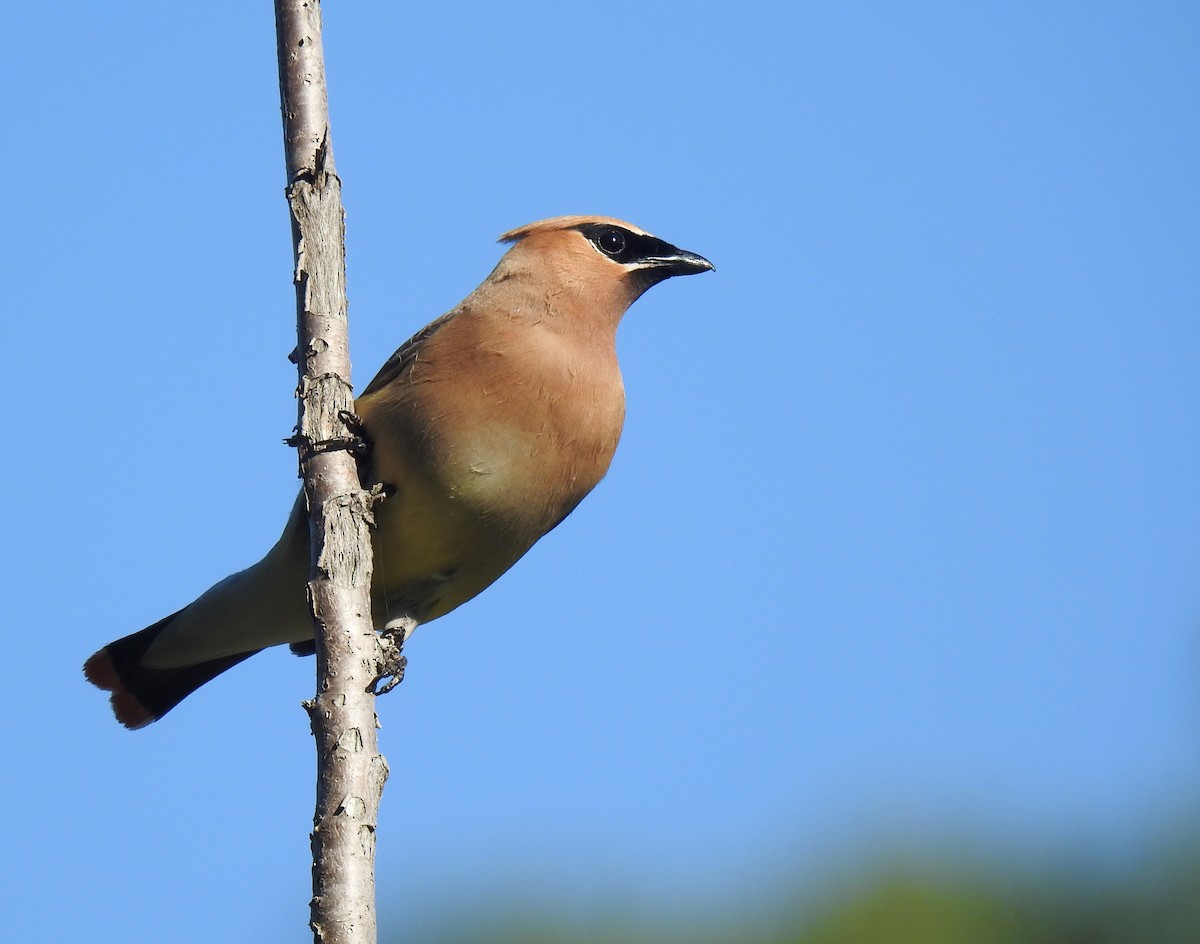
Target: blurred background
x,y
883,626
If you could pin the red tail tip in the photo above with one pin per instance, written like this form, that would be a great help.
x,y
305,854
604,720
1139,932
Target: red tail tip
x,y
129,710
100,672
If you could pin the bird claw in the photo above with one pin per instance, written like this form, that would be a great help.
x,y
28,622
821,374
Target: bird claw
x,y
392,661
393,672
357,443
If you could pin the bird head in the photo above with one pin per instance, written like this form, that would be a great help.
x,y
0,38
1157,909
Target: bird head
x,y
596,257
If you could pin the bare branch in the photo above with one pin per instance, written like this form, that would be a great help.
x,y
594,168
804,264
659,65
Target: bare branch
x,y
350,770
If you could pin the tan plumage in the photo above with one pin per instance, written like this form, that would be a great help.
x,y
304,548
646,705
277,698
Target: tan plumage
x,y
488,427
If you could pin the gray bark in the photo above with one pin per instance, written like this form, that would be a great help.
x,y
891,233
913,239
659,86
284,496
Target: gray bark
x,y
350,770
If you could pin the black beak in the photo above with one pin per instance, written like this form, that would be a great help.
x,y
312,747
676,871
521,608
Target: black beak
x,y
669,260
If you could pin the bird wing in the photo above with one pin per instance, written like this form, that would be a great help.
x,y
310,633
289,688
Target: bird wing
x,y
406,354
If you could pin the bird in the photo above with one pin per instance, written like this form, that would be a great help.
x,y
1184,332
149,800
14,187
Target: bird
x,y
485,430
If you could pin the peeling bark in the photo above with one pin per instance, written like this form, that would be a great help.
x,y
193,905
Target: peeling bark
x,y
350,770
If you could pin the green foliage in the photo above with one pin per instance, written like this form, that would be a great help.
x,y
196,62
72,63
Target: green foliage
x,y
946,904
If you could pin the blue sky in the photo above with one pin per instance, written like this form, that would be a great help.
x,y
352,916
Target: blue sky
x,y
902,541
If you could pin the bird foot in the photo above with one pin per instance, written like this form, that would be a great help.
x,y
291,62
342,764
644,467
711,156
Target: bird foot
x,y
392,661
357,443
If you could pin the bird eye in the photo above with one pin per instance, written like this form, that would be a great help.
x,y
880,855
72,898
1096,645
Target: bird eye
x,y
611,242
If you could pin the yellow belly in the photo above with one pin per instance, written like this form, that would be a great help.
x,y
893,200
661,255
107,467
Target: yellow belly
x,y
433,552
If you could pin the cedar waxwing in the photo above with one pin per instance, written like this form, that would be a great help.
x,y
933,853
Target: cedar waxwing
x,y
487,428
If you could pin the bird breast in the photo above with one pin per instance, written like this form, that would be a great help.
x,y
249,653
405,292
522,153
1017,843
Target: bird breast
x,y
534,434
511,424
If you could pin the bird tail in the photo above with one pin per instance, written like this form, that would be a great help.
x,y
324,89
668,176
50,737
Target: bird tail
x,y
141,694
